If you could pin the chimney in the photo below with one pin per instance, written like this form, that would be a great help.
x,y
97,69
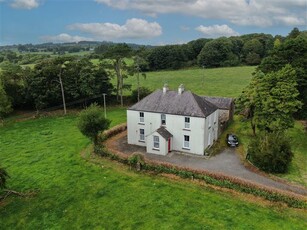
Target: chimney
x,y
165,88
180,89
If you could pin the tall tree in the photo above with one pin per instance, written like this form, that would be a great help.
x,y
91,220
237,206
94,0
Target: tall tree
x,y
292,51
116,54
271,100
15,82
215,53
5,103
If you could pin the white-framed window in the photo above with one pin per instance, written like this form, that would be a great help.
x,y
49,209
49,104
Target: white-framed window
x,y
142,135
156,142
186,122
186,141
163,119
141,117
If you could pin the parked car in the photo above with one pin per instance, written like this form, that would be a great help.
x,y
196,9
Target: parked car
x,y
232,140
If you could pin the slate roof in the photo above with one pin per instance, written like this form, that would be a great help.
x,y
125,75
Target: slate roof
x,y
164,133
220,102
185,104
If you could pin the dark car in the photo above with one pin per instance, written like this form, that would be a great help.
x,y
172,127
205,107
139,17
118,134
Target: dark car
x,y
232,140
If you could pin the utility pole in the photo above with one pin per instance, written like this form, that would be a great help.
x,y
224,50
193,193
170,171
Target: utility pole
x,y
62,89
104,105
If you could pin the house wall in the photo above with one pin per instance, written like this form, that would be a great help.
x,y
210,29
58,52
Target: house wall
x,y
211,129
199,130
163,150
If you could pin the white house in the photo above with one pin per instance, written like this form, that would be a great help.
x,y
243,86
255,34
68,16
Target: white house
x,y
169,120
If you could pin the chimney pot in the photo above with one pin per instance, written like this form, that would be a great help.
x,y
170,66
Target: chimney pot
x,y
165,88
180,89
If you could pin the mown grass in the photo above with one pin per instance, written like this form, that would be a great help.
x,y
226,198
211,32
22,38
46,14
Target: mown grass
x,y
44,154
298,170
225,82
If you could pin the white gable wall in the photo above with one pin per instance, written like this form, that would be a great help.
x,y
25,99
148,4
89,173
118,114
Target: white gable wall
x,y
163,150
198,132
211,129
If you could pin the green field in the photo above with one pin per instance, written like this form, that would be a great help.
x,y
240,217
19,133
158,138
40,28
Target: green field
x,y
225,82
44,155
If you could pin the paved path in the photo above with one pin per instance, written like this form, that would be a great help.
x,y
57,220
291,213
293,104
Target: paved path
x,y
226,162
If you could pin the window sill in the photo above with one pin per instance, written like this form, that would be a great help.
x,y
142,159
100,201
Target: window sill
x,y
186,129
142,141
186,148
140,123
155,149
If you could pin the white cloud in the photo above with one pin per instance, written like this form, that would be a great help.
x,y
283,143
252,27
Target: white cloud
x,y
64,38
25,4
133,29
217,31
241,12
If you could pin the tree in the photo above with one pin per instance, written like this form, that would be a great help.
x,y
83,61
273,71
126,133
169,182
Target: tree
x,y
253,50
270,101
247,102
138,95
292,51
5,103
117,53
81,80
14,79
270,152
136,70
92,122
278,100
215,53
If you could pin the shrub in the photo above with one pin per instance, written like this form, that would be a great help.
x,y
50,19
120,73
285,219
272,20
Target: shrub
x,y
136,160
92,121
143,93
271,152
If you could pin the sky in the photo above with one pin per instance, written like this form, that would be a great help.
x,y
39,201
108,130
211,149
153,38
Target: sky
x,y
148,22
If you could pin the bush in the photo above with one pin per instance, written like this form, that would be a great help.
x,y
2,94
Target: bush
x,y
136,160
271,152
143,93
92,121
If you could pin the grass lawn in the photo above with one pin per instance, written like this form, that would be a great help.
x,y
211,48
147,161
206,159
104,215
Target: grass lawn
x,y
44,154
225,82
298,170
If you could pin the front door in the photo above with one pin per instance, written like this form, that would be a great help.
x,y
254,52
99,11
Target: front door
x,y
169,145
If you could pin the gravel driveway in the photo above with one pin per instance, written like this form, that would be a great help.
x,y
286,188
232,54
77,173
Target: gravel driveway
x,y
226,162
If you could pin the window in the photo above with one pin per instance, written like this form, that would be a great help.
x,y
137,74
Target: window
x,y
186,122
142,135
141,117
186,142
163,119
156,142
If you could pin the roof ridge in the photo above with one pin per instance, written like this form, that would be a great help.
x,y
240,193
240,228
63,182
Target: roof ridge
x,y
199,106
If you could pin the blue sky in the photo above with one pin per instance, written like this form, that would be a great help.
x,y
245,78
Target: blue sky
x,y
154,22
